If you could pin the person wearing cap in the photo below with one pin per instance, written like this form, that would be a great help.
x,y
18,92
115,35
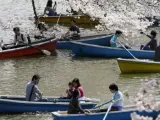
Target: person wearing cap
x,y
32,91
152,44
114,39
19,39
73,32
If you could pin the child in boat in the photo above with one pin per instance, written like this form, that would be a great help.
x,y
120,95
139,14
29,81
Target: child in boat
x,y
77,86
74,106
153,42
114,39
70,90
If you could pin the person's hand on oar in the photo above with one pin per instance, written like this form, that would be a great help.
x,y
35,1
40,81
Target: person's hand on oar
x,y
152,44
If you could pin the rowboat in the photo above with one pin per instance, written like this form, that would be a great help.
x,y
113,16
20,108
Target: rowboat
x,y
138,66
17,104
83,49
66,19
120,115
99,39
33,48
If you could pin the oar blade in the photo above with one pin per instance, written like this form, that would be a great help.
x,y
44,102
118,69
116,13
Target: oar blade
x,y
46,52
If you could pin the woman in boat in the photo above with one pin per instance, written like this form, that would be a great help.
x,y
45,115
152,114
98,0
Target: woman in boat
x,y
114,39
74,106
51,11
32,91
152,44
75,31
77,86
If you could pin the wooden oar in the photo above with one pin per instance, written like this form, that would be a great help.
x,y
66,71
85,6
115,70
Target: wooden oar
x,y
102,105
104,118
45,52
127,50
68,100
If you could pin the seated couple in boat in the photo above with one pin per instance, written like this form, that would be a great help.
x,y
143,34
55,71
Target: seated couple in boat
x,y
75,85
49,10
117,100
19,40
152,44
73,32
114,40
32,91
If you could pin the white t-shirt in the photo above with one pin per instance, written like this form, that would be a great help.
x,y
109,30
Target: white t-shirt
x,y
20,39
118,96
36,93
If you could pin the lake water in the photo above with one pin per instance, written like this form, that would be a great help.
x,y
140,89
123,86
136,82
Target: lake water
x,y
56,71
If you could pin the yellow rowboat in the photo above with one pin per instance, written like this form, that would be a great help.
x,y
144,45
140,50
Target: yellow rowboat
x,y
138,66
66,19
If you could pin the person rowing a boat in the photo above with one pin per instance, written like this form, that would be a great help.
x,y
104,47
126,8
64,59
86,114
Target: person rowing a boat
x,y
19,38
51,11
152,44
74,32
117,99
32,91
114,39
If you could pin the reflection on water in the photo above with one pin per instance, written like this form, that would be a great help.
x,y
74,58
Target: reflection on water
x,y
56,71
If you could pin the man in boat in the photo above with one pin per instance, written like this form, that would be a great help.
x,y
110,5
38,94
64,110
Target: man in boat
x,y
32,91
117,99
152,44
19,38
114,39
74,32
51,11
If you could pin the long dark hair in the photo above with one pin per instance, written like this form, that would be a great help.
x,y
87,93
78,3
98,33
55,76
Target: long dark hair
x,y
76,80
75,93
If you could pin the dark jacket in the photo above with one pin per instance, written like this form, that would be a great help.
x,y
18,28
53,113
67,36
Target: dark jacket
x,y
74,107
152,44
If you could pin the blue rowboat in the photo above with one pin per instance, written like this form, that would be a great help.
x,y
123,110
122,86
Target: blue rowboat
x,y
101,39
83,49
118,115
13,104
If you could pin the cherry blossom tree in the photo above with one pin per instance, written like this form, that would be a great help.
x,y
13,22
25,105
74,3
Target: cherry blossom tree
x,y
126,15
